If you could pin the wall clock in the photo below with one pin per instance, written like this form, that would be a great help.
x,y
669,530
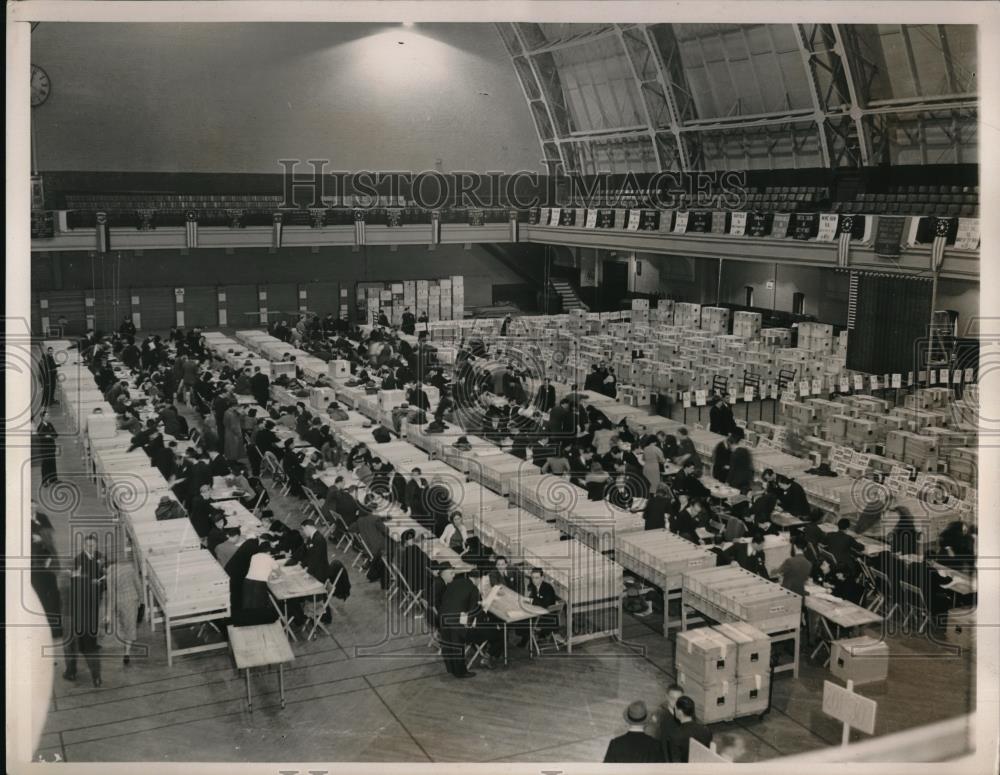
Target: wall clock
x,y
41,86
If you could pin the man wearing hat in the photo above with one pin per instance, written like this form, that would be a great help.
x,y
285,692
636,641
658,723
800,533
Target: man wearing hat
x,y
635,746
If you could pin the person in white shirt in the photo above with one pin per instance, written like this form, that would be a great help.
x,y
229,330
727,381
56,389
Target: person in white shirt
x,y
455,534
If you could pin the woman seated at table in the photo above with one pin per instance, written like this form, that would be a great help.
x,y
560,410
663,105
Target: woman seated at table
x,y
557,463
596,481
542,594
957,546
455,534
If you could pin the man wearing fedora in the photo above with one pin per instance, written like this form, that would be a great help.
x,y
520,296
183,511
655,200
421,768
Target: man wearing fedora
x,y
635,746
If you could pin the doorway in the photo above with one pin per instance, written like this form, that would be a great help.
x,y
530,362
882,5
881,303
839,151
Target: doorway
x,y
614,286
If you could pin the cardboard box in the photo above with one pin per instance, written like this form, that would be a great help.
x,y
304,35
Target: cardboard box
x,y
753,694
339,369
102,426
862,660
706,656
320,397
712,703
753,647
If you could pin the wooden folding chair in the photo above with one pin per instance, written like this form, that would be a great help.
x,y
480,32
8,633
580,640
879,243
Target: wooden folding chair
x,y
885,590
872,598
194,435
365,555
914,605
317,507
552,643
278,476
315,611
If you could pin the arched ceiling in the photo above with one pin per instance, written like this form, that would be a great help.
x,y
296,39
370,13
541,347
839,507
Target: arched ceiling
x,y
646,98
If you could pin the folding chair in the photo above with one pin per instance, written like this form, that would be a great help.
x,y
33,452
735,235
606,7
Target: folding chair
x,y
194,435
552,641
258,506
885,590
315,611
313,503
476,650
365,555
914,604
278,476
872,598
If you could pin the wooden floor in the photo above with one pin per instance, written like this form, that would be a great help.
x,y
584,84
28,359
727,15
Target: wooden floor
x,y
365,695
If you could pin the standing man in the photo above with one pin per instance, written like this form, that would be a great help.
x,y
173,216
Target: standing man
x,y
635,746
679,742
87,585
409,323
46,439
260,386
720,417
50,376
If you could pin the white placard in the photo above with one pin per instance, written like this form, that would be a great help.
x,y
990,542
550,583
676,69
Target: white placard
x,y
804,387
774,390
943,377
897,380
634,216
681,222
738,224
827,227
817,387
686,399
909,378
956,377
591,222
789,394
852,709
932,376
874,382
543,216
701,397
859,382
555,215
748,393
845,385
968,375
967,237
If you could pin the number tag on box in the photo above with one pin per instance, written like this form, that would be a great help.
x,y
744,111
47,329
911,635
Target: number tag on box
x,y
859,382
686,398
817,387
897,380
804,387
845,385
874,382
701,397
748,394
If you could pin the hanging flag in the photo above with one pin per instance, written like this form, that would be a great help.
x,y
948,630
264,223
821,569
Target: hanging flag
x,y
103,233
512,221
868,234
913,231
844,228
889,235
941,226
681,222
827,227
738,224
967,237
435,228
276,220
191,229
359,227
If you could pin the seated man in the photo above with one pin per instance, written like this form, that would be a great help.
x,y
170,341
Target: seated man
x,y
749,556
842,545
458,610
544,596
203,513
688,481
502,574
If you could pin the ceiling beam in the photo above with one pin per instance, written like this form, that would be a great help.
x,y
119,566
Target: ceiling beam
x,y
819,115
666,81
856,89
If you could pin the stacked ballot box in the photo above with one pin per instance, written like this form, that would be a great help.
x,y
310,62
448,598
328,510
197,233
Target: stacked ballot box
x,y
963,464
687,315
748,325
725,669
776,337
715,320
732,594
913,449
664,312
321,397
660,557
816,337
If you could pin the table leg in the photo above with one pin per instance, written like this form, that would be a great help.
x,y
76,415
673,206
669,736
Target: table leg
x,y
281,683
166,630
249,696
505,660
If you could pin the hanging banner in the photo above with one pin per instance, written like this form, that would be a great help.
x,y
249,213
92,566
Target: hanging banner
x,y
605,219
666,220
621,218
634,218
759,224
700,221
889,236
591,221
828,223
567,217
805,226
967,237
738,224
719,222
553,216
780,224
649,220
191,229
543,216
534,216
681,222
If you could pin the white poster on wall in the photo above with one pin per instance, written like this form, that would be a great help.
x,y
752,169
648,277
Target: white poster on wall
x,y
681,222
738,224
827,227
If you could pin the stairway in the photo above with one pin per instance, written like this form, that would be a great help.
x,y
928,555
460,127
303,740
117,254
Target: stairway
x,y
568,295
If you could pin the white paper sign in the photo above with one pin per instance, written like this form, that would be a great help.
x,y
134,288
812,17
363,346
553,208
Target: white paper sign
x,y
874,382
845,385
774,390
956,377
943,377
804,387
701,397
748,393
543,216
738,224
859,382
967,237
897,380
909,378
554,218
686,399
789,394
681,222
933,377
817,387
922,376
591,222
634,216
827,227
968,375
852,709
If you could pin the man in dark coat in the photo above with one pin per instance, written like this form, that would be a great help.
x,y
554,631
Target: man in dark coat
x,y
635,746
459,609
720,459
545,398
720,417
793,498
260,385
409,322
679,740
